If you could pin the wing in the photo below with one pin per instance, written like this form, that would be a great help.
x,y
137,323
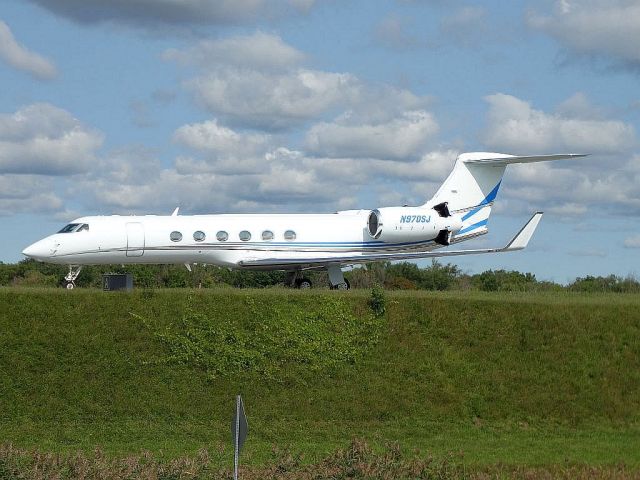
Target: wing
x,y
519,241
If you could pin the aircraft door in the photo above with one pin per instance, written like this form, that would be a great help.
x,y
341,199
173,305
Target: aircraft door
x,y
135,239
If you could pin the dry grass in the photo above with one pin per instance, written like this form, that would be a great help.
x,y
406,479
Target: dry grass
x,y
357,461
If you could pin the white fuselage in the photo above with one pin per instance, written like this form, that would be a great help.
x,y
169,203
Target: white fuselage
x,y
190,239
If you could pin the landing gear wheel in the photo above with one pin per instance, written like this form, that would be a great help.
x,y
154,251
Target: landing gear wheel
x,y
303,283
342,286
70,286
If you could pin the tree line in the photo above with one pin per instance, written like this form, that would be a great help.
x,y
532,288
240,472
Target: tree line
x,y
393,276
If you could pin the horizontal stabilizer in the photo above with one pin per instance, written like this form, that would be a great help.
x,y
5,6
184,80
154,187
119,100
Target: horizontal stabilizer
x,y
508,159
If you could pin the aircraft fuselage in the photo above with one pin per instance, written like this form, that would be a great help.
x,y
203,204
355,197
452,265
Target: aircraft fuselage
x,y
226,240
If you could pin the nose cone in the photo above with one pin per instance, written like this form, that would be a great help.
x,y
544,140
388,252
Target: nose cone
x,y
39,250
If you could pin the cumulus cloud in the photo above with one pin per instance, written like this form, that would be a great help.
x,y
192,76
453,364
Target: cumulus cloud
x,y
27,193
393,32
606,181
632,241
172,12
258,81
222,149
44,139
515,126
259,50
272,101
466,26
21,58
282,179
404,137
575,187
588,252
602,28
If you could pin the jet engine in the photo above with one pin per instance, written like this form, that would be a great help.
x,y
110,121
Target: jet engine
x,y
413,224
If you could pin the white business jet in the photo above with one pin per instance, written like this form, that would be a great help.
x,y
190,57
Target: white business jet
x,y
297,242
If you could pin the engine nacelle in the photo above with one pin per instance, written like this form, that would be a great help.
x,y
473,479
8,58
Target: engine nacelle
x,y
411,224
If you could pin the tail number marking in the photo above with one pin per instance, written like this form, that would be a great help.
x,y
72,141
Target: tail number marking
x,y
415,218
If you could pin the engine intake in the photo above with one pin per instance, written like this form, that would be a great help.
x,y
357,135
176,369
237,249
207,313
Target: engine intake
x,y
374,224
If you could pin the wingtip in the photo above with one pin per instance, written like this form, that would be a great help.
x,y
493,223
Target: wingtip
x,y
521,239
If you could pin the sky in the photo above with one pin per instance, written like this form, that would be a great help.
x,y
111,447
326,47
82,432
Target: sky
x,y
218,106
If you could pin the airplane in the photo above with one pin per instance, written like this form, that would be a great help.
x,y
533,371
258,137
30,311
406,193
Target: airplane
x,y
459,211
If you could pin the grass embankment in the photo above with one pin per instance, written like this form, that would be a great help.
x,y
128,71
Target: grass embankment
x,y
518,380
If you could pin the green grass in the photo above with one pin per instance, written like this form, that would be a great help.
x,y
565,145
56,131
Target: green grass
x,y
512,379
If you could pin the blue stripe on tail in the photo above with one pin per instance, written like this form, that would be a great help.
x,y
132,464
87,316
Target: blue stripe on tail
x,y
488,199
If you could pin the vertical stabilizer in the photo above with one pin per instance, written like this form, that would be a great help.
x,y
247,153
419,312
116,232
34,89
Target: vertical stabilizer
x,y
472,187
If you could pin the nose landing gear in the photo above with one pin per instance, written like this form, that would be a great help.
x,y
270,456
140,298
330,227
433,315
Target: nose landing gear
x,y
70,278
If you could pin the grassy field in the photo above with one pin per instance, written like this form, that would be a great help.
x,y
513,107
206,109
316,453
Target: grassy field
x,y
486,382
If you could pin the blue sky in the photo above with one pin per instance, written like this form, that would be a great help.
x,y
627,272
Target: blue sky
x,y
317,105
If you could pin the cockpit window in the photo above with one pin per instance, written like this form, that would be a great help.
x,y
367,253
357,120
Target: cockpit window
x,y
69,228
75,227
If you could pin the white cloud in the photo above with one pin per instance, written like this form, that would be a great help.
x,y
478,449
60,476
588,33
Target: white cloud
x,y
632,241
606,181
27,193
607,28
259,50
516,127
466,27
568,209
404,137
23,59
393,32
257,81
575,187
272,100
281,179
588,252
579,106
44,139
210,137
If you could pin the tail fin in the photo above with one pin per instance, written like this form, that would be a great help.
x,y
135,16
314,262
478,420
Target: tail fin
x,y
472,186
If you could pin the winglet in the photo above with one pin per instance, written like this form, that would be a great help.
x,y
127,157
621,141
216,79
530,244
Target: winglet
x,y
175,212
522,238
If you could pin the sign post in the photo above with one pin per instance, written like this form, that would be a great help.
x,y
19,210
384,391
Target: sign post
x,y
239,429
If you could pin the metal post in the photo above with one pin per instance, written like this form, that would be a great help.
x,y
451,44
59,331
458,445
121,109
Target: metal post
x,y
236,440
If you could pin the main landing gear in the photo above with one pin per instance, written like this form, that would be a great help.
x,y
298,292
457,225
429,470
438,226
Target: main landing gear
x,y
336,278
337,281
70,278
296,280
342,286
303,283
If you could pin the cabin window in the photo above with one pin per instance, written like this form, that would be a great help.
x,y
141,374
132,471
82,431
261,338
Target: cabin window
x,y
289,235
222,236
267,235
175,236
245,236
199,236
